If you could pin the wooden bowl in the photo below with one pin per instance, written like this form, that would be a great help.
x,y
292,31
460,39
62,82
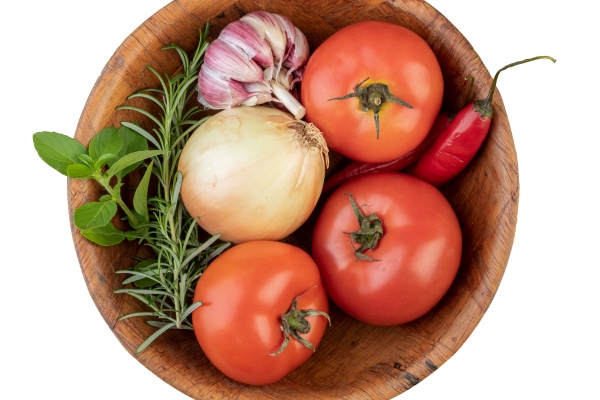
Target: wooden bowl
x,y
355,360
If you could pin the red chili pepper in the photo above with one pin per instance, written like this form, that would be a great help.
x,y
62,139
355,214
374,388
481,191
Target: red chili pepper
x,y
461,140
356,168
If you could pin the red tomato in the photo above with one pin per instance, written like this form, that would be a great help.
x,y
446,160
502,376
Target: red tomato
x,y
387,54
244,294
416,259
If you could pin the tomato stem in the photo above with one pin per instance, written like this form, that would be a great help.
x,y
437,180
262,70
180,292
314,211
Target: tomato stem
x,y
294,322
369,234
372,97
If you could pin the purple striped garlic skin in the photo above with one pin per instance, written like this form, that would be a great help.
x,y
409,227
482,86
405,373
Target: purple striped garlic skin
x,y
269,27
243,35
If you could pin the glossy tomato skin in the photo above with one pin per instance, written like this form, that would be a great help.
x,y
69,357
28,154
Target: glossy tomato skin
x,y
385,53
244,293
417,258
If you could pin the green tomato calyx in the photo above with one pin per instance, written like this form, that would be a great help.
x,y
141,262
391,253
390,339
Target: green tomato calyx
x,y
372,97
294,323
369,234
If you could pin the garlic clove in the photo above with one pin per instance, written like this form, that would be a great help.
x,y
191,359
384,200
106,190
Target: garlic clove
x,y
298,56
259,92
215,92
230,62
284,78
292,104
297,76
268,26
290,34
243,35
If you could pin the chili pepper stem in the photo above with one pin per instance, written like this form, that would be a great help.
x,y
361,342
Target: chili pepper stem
x,y
484,106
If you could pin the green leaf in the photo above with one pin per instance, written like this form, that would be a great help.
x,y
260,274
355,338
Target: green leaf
x,y
153,337
190,309
106,235
145,266
138,314
132,142
141,131
131,159
79,171
153,292
94,215
140,198
158,324
140,224
201,248
177,187
86,159
58,150
117,187
146,113
103,160
143,281
107,141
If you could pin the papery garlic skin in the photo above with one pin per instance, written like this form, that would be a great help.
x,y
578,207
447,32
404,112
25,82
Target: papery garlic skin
x,y
251,54
219,93
271,28
243,35
249,173
230,61
298,56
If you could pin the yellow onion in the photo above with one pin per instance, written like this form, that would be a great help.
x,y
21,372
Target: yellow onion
x,y
252,173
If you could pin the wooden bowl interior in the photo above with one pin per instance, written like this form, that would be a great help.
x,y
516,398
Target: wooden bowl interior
x,y
354,360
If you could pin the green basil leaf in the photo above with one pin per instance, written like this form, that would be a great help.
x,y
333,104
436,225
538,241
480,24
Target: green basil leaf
x,y
140,197
58,150
106,235
87,160
141,230
79,171
107,141
131,159
103,160
118,186
142,132
94,215
132,142
145,267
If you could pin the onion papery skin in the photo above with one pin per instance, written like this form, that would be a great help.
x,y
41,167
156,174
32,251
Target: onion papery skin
x,y
248,176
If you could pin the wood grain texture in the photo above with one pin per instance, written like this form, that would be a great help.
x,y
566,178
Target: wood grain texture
x,y
355,360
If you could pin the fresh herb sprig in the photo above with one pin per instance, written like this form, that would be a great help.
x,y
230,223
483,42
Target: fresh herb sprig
x,y
165,283
112,154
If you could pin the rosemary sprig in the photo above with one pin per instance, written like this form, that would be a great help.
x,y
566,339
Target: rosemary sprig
x,y
166,284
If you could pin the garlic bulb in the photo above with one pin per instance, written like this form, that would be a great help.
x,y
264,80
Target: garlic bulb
x,y
255,60
253,173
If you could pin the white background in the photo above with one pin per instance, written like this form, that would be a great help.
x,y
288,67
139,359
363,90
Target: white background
x,y
538,338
